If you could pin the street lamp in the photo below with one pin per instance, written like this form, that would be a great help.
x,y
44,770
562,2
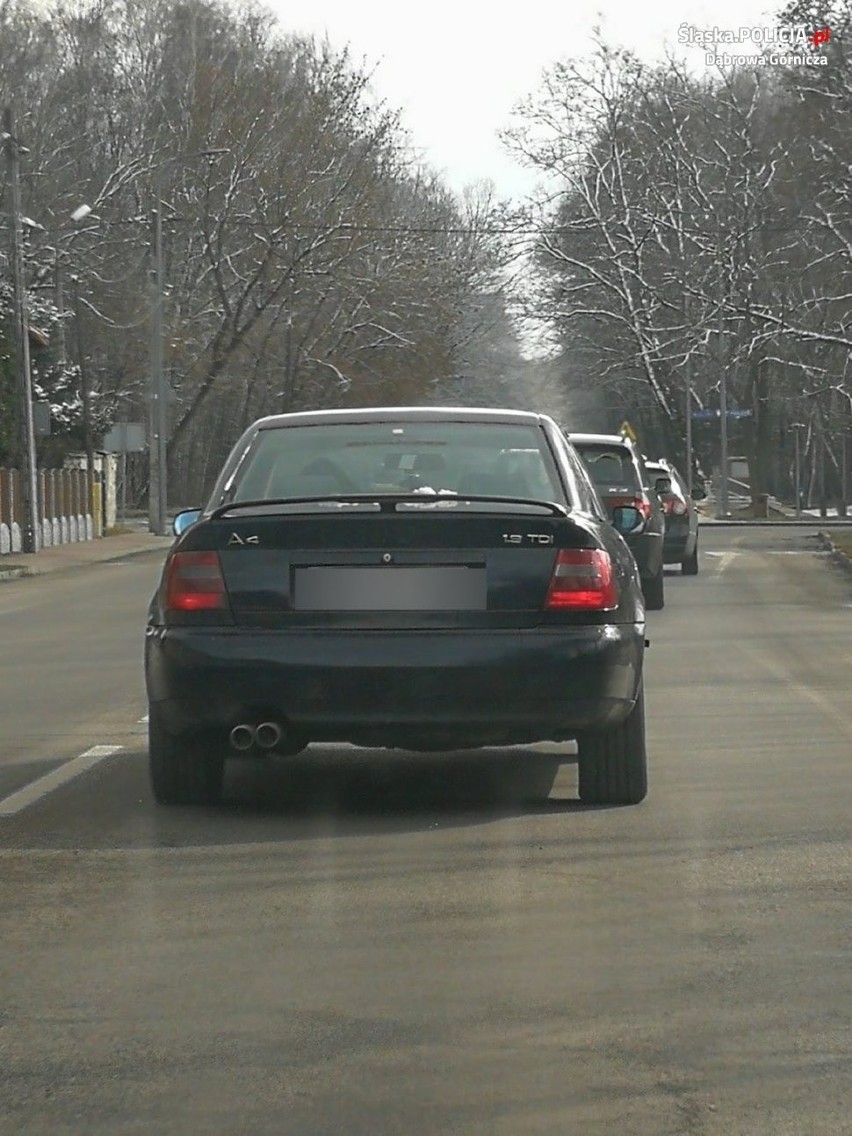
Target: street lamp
x,y
157,407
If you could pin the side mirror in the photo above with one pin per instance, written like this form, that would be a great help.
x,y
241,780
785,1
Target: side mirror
x,y
184,520
663,485
626,519
698,493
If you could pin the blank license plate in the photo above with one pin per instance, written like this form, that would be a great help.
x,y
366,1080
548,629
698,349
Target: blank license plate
x,y
445,588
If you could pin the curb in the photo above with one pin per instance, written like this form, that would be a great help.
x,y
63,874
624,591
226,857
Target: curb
x,y
13,572
840,558
780,523
30,571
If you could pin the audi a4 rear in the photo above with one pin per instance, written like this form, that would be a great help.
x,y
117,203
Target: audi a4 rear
x,y
415,578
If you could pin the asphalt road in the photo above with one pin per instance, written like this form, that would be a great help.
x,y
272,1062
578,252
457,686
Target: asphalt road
x,y
357,943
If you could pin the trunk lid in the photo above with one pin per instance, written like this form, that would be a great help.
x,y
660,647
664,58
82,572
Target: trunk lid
x,y
389,565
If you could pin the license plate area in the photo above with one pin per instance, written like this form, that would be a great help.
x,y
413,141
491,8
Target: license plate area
x,y
393,588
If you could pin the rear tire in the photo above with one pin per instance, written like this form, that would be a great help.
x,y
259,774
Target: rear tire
x,y
182,771
654,591
613,766
689,565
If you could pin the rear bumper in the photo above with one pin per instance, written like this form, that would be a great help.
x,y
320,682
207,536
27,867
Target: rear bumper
x,y
397,688
678,542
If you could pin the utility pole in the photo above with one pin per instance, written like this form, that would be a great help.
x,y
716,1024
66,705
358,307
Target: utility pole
x,y
30,541
821,448
86,399
797,426
159,392
723,387
688,372
157,405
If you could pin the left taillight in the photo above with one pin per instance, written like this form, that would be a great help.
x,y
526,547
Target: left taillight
x,y
640,503
194,582
582,580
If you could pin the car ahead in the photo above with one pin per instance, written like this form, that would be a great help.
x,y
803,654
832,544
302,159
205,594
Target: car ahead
x,y
618,473
680,540
416,578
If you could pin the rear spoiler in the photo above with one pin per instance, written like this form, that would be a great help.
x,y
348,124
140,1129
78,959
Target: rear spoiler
x,y
387,502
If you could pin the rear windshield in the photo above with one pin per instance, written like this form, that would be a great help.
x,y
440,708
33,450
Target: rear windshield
x,y
678,489
610,467
428,457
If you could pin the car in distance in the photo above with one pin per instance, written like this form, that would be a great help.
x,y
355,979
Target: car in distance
x,y
680,539
417,578
618,473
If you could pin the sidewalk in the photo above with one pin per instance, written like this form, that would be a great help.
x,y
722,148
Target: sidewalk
x,y
63,557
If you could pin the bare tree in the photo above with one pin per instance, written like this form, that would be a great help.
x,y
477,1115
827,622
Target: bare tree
x,y
308,261
676,244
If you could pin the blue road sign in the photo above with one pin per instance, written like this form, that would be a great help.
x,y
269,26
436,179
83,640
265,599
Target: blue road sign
x,y
710,415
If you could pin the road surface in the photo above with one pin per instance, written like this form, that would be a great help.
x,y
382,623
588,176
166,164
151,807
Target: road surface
x,y
365,944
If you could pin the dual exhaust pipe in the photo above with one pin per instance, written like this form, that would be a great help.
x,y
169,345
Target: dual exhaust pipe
x,y
266,736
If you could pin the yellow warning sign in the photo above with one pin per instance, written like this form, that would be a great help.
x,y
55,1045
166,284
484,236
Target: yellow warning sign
x,y
627,431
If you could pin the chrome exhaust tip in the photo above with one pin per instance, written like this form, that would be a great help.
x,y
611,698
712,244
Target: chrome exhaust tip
x,y
268,735
242,737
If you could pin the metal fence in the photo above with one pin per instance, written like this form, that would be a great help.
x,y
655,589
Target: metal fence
x,y
66,512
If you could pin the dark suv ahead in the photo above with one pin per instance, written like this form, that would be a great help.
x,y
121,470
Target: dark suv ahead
x,y
618,472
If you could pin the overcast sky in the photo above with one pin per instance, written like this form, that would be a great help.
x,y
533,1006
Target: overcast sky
x,y
456,68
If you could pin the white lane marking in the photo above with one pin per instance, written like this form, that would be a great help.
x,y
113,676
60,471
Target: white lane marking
x,y
726,559
71,769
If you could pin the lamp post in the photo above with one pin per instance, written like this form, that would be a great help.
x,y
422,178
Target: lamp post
x,y
157,406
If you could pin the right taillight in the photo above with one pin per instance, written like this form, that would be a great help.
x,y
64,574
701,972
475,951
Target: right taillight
x,y
194,582
673,506
582,580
